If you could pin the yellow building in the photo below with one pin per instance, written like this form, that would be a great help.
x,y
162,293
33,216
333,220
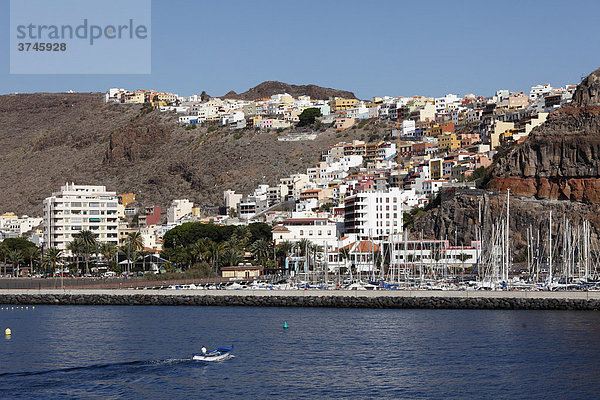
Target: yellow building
x,y
136,97
342,104
448,142
242,271
255,120
126,199
168,97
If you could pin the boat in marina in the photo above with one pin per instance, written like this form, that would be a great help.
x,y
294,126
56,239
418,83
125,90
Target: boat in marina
x,y
218,354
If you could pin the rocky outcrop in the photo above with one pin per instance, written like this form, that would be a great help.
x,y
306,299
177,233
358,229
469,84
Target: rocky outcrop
x,y
269,88
588,92
561,158
458,214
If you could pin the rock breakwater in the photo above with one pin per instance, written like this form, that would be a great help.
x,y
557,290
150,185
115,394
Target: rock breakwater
x,y
398,302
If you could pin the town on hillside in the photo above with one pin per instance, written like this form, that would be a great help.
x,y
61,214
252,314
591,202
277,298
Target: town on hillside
x,y
344,215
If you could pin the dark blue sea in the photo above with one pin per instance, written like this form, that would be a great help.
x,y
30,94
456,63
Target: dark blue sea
x,y
132,352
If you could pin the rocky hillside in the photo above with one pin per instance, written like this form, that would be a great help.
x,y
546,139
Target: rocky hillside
x,y
49,139
269,88
561,158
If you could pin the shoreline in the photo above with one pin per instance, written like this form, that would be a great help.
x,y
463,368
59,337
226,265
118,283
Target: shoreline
x,y
516,300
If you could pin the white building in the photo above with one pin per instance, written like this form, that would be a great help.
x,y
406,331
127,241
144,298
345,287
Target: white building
x,y
539,91
178,210
231,199
320,231
80,207
374,215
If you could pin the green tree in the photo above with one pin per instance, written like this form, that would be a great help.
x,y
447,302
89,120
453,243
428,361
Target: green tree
x,y
7,245
15,257
108,251
344,254
76,248
261,249
135,243
143,254
283,251
479,173
52,257
308,116
31,255
88,241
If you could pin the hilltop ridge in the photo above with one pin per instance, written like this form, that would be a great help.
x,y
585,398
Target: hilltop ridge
x,y
269,88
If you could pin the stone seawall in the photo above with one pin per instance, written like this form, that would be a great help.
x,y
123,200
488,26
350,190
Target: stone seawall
x,y
428,302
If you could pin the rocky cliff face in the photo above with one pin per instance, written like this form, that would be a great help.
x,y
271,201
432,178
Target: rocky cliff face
x,y
588,92
561,158
458,213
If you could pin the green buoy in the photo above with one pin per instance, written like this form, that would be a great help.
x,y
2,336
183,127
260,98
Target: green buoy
x,y
285,325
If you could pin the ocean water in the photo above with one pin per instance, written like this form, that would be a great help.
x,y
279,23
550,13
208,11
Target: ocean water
x,y
139,352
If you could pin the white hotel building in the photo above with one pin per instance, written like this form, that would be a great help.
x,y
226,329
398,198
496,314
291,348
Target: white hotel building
x,y
79,207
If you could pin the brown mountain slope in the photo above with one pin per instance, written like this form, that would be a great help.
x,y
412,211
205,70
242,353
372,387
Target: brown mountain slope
x,y
49,139
269,88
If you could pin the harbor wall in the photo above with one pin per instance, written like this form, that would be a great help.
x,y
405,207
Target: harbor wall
x,y
433,301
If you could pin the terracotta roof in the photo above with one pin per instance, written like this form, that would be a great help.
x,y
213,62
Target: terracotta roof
x,y
362,246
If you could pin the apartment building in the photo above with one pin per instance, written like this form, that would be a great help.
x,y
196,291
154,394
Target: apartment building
x,y
80,207
374,215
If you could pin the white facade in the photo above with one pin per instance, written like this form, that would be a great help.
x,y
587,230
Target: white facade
x,y
320,231
374,215
539,91
179,209
80,207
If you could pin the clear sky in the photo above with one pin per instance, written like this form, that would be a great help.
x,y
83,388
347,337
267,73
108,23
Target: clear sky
x,y
374,48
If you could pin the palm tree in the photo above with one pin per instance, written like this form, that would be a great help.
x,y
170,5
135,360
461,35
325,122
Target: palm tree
x,y
284,249
75,246
52,257
143,254
108,251
344,254
31,253
231,257
215,251
261,250
198,250
88,240
4,255
135,242
15,257
303,246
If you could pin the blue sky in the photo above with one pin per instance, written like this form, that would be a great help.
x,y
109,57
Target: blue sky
x,y
377,48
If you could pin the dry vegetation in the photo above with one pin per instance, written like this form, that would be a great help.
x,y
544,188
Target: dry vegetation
x,y
49,139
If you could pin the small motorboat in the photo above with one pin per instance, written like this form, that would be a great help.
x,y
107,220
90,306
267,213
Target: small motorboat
x,y
218,354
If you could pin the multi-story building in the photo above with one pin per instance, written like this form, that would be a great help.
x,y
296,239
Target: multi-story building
x,y
340,104
179,209
320,231
374,215
80,207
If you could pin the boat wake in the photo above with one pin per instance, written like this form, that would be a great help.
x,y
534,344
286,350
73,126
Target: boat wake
x,y
95,367
214,359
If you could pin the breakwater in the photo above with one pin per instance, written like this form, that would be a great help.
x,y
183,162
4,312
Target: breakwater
x,y
424,300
